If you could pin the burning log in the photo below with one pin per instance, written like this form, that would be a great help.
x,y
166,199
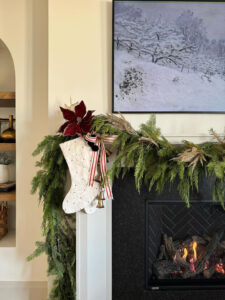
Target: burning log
x,y
163,268
211,248
162,253
201,262
181,261
186,243
170,249
199,240
209,272
193,256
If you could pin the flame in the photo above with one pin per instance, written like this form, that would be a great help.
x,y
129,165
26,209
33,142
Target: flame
x,y
194,258
195,251
185,253
190,255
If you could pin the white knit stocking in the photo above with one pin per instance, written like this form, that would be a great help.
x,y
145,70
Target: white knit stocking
x,y
78,156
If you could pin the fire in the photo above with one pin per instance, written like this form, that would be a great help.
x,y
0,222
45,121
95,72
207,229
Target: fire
x,y
194,258
190,255
220,268
185,254
195,251
192,266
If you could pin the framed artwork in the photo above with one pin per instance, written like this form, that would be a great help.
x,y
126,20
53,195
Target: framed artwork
x,y
168,56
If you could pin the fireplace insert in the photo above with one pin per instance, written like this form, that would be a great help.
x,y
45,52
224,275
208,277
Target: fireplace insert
x,y
185,247
162,250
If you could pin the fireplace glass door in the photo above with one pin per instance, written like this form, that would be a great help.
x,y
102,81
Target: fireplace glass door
x,y
185,247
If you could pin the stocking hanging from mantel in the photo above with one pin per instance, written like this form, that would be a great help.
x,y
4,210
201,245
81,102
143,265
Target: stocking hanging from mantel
x,y
81,195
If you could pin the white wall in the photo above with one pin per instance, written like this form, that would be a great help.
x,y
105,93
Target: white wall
x,y
7,74
23,28
80,67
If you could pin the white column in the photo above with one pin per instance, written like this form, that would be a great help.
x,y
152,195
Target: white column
x,y
94,255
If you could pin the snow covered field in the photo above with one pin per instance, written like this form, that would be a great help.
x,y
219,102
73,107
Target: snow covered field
x,y
164,89
169,57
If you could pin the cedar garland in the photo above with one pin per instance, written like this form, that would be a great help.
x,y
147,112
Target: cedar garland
x,y
157,162
58,228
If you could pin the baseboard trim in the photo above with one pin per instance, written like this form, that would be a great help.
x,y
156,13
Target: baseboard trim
x,y
23,290
81,256
24,284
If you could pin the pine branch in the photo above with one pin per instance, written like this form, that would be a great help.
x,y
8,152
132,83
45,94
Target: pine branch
x,y
220,140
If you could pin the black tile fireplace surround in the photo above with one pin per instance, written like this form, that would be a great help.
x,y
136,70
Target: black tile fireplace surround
x,y
139,220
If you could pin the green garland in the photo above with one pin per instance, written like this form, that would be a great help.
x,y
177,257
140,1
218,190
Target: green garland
x,y
156,162
58,228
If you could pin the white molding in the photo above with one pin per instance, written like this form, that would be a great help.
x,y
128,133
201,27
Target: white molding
x,y
81,256
24,284
23,290
94,253
109,250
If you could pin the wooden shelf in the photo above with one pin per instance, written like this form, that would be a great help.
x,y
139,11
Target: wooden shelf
x,y
7,146
7,95
7,99
8,196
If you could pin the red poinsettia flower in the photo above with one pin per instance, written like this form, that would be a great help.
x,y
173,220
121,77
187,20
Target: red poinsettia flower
x,y
78,122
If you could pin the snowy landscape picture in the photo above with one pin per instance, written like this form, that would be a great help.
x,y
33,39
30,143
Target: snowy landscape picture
x,y
169,56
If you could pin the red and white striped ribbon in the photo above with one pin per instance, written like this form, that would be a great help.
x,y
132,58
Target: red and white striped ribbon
x,y
99,141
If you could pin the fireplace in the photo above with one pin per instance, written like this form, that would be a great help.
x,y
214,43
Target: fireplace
x,y
163,250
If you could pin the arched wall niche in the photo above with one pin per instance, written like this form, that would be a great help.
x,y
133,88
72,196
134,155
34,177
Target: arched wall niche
x,y
24,31
7,108
7,70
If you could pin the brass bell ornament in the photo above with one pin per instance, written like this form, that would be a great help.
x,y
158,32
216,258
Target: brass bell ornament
x,y
101,199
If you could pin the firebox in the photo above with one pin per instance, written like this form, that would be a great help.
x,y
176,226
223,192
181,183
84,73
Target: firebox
x,y
162,250
185,247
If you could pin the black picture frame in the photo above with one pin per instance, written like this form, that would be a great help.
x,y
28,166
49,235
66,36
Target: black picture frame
x,y
113,66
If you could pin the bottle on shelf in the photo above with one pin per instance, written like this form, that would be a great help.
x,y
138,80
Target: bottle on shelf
x,y
9,135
